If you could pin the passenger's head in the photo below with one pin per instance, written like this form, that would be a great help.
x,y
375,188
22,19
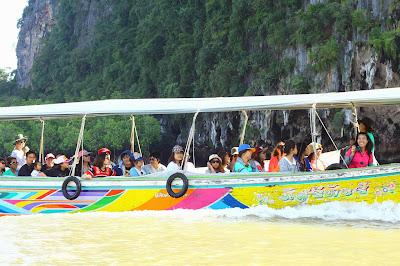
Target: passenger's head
x,y
260,153
245,151
234,153
363,141
30,157
2,163
215,161
12,162
278,150
84,156
137,159
177,154
49,159
318,148
366,124
62,162
303,150
19,141
155,158
126,158
37,165
224,157
103,158
290,147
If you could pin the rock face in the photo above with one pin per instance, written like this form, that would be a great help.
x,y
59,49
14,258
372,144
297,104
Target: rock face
x,y
358,68
36,25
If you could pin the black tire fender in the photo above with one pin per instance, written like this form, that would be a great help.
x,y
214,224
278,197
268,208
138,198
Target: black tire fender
x,y
78,187
184,188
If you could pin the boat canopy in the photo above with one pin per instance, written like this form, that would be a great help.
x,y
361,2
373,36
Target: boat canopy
x,y
192,105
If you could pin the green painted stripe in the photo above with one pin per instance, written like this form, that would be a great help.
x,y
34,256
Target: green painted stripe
x,y
99,204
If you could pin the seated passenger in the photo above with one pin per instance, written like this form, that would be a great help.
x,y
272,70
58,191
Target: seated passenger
x,y
2,166
20,150
124,164
13,164
83,163
288,164
137,170
175,161
155,165
37,167
311,157
360,155
27,168
49,159
366,125
101,166
259,157
243,162
226,159
234,156
276,156
213,164
303,152
60,168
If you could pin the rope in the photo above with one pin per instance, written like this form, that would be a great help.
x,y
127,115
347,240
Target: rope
x,y
246,118
355,124
314,134
326,130
189,141
41,152
78,144
133,131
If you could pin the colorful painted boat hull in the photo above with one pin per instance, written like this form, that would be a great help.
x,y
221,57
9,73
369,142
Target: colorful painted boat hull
x,y
44,195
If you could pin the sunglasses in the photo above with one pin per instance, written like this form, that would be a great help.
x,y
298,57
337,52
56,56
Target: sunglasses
x,y
215,161
319,149
22,141
3,162
13,163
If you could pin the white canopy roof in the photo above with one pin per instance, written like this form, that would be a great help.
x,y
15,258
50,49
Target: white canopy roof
x,y
192,105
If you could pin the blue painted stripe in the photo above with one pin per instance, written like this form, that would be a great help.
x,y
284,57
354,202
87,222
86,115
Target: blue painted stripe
x,y
56,210
10,208
233,203
219,205
29,195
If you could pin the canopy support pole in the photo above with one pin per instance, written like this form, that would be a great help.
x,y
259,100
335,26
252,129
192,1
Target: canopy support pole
x,y
246,118
133,132
313,112
78,144
355,123
41,152
189,141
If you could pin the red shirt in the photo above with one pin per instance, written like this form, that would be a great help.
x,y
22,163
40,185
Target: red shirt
x,y
360,159
95,171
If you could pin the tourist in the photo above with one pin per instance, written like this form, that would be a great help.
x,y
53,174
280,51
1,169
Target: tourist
x,y
234,156
12,164
60,168
226,159
83,163
20,150
101,166
321,165
175,161
276,156
37,167
259,157
242,164
2,166
360,155
27,168
288,164
155,163
213,164
366,125
125,164
303,152
49,159
138,162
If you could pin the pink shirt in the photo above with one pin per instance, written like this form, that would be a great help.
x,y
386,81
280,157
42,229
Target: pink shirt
x,y
360,159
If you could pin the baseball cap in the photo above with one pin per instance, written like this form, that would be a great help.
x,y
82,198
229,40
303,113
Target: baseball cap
x,y
234,150
245,147
177,149
83,153
137,156
213,156
258,149
49,155
61,159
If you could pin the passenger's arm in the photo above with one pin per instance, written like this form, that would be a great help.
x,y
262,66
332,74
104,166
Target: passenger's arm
x,y
348,159
42,174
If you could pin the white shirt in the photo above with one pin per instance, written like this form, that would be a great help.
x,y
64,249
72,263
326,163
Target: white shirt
x,y
172,166
150,169
19,154
35,172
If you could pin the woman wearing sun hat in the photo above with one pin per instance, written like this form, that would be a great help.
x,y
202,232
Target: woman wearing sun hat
x,y
242,164
213,164
101,166
20,150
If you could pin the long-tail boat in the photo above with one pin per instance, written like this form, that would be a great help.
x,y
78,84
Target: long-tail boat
x,y
186,190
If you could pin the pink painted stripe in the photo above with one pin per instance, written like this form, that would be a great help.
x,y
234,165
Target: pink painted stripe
x,y
201,198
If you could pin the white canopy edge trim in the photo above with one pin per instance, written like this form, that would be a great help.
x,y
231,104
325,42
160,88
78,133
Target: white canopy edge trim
x,y
192,105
